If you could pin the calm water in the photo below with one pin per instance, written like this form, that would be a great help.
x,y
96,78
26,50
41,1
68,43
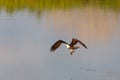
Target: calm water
x,y
26,38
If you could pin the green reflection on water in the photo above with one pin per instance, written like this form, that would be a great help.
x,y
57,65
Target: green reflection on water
x,y
39,5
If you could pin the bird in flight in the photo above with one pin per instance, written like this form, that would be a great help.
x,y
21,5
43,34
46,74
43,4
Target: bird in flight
x,y
70,46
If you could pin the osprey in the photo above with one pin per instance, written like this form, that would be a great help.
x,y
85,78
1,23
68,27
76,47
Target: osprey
x,y
70,46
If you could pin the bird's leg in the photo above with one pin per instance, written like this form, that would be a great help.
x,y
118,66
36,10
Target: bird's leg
x,y
71,51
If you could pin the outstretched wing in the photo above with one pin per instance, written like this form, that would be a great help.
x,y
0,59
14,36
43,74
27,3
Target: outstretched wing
x,y
75,41
57,44
82,44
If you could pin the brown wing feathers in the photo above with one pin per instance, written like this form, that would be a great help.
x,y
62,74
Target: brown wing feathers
x,y
57,44
82,44
75,41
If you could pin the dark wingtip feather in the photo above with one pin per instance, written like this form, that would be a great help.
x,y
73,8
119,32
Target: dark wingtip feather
x,y
52,50
86,47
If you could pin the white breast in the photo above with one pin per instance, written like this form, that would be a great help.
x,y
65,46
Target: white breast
x,y
67,46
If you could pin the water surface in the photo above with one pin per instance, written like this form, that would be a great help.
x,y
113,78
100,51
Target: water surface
x,y
26,38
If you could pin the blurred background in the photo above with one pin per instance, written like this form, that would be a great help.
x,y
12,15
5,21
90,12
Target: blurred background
x,y
28,28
